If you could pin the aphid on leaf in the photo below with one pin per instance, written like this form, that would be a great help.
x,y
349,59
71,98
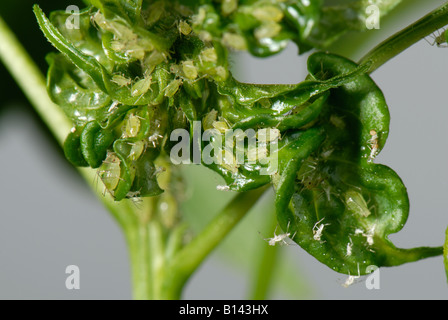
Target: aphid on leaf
x,y
208,55
355,202
267,30
184,28
268,13
121,81
141,86
109,171
172,88
228,6
137,148
132,126
318,228
234,41
189,69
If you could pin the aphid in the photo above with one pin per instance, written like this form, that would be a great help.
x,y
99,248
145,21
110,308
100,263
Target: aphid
x,y
137,148
172,88
132,126
268,13
208,55
121,81
189,69
267,30
439,39
209,119
109,171
355,202
184,28
228,6
220,73
221,126
234,41
318,228
374,146
141,86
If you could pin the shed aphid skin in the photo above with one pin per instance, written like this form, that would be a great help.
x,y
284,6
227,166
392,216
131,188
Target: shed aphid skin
x,y
374,146
222,188
351,279
279,238
142,86
153,139
349,248
318,229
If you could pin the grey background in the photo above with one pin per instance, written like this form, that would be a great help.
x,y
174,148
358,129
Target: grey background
x,y
49,219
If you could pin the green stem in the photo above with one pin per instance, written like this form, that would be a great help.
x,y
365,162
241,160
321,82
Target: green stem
x,y
405,38
192,255
264,268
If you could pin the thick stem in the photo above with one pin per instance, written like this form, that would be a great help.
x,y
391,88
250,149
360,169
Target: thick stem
x,y
192,255
405,38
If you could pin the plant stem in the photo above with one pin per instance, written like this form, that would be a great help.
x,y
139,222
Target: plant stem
x,y
193,254
262,279
405,38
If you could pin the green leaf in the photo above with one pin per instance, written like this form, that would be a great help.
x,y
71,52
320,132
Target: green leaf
x,y
336,202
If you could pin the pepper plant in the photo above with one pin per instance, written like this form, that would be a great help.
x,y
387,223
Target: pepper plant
x,y
128,76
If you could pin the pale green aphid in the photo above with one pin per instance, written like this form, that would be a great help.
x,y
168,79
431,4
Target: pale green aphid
x,y
109,171
209,55
184,28
228,6
356,203
141,86
137,150
221,73
268,13
121,81
234,41
207,121
221,126
268,29
189,69
172,88
132,126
